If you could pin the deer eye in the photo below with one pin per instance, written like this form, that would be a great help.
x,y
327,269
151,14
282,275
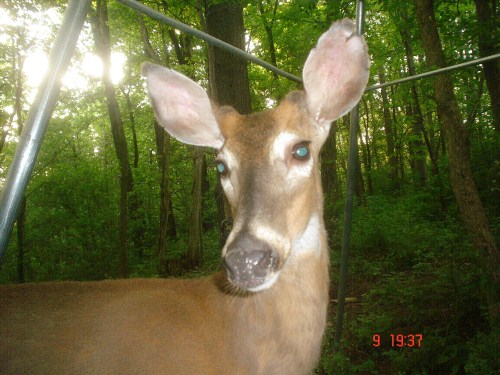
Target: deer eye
x,y
222,168
301,151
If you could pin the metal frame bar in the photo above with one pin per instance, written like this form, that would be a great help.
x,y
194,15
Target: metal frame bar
x,y
206,37
434,72
348,206
38,118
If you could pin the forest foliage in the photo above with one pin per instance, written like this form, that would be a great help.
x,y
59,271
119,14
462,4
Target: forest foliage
x,y
413,268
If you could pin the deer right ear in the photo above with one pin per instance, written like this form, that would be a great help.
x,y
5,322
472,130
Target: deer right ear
x,y
336,72
182,107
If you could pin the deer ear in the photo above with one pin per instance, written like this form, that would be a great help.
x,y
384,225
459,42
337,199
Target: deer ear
x,y
336,72
182,107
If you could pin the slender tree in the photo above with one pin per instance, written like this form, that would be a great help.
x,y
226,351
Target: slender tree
x,y
365,149
330,178
414,110
268,20
163,151
457,143
103,47
487,35
17,74
167,221
194,253
389,133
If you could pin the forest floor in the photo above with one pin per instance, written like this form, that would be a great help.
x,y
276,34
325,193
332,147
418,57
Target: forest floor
x,y
354,307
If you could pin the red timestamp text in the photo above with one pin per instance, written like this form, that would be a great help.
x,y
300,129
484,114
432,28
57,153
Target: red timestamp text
x,y
398,340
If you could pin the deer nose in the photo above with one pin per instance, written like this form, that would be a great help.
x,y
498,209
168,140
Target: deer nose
x,y
249,262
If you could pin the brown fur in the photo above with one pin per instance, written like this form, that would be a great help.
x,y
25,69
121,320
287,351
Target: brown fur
x,y
164,326
185,326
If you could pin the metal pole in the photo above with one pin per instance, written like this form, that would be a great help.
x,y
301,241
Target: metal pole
x,y
38,118
435,72
206,37
351,179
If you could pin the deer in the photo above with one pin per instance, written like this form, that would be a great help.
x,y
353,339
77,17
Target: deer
x,y
265,311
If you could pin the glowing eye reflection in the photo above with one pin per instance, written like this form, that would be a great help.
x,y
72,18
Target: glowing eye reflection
x,y
221,168
301,151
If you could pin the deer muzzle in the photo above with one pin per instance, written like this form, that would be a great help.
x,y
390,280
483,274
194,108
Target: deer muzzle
x,y
250,263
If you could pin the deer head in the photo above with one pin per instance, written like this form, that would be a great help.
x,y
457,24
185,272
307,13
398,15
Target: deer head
x,y
268,161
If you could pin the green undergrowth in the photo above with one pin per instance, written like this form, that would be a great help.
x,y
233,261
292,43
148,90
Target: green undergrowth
x,y
412,271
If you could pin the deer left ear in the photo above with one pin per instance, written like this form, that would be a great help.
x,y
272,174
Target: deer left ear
x,y
336,72
182,107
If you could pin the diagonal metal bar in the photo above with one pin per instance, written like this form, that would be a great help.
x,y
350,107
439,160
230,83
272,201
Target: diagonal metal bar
x,y
38,118
435,72
206,37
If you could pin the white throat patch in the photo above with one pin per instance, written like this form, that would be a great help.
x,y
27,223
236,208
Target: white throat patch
x,y
309,240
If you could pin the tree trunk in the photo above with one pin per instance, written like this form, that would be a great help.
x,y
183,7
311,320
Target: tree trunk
x,y
268,26
389,134
488,31
418,122
163,147
194,255
329,173
228,73
131,118
3,132
329,179
223,213
146,43
228,76
21,216
139,228
195,245
207,223
103,48
21,226
359,185
457,143
167,229
18,107
366,155
416,148
172,226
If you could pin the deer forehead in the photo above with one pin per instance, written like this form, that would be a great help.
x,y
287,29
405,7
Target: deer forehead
x,y
247,136
267,136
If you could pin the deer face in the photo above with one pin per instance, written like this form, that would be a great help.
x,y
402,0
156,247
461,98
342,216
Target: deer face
x,y
268,169
268,161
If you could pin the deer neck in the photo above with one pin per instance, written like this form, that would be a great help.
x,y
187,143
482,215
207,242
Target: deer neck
x,y
283,326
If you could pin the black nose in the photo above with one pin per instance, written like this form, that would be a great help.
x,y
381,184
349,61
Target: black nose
x,y
249,261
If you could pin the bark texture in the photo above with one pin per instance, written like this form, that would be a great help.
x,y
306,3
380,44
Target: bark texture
x,y
228,77
103,47
457,144
228,73
488,33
